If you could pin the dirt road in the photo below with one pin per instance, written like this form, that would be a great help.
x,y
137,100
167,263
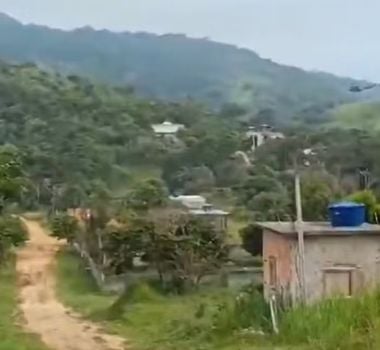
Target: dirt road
x,y
59,328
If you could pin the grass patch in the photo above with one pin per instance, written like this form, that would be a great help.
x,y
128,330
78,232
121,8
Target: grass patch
x,y
349,324
218,319
234,227
12,336
362,116
205,320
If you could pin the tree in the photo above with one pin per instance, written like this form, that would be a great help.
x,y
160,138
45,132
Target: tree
x,y
71,196
270,206
252,238
181,249
199,179
124,243
64,226
148,194
12,179
232,110
265,195
319,189
12,234
197,251
370,201
185,250
231,172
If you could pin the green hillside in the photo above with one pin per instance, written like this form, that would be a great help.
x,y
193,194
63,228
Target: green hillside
x,y
80,134
363,116
176,67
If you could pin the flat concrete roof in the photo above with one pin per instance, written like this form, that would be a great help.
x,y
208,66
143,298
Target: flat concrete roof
x,y
167,128
319,229
209,212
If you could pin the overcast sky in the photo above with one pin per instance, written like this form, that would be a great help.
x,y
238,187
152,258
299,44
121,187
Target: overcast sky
x,y
339,36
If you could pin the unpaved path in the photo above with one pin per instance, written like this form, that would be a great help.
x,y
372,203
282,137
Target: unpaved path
x,y
59,327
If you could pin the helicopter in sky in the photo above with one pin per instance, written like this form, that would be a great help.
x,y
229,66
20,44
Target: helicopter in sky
x,y
357,88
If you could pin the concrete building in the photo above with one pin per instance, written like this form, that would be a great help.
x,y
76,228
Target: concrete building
x,y
198,206
338,260
190,202
259,136
167,129
216,217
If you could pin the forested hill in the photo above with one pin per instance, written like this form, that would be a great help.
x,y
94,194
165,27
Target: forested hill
x,y
359,116
75,133
174,66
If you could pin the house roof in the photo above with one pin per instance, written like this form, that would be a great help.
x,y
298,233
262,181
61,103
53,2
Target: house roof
x,y
319,229
191,202
208,212
167,128
268,133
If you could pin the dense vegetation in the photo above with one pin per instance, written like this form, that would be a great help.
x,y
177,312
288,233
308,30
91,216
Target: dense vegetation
x,y
177,67
341,162
70,142
362,116
76,136
67,141
80,140
12,181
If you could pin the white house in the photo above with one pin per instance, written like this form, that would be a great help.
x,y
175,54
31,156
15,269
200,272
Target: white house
x,y
259,136
167,128
190,202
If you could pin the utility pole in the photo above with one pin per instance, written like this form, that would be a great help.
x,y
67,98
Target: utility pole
x,y
300,236
364,178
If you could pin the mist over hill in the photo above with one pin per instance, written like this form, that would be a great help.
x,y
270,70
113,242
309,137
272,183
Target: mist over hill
x,y
177,67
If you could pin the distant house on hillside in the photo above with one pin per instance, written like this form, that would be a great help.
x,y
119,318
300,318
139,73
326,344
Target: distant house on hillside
x,y
340,261
259,136
190,202
167,129
197,206
216,217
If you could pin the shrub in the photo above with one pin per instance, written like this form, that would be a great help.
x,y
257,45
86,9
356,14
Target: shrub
x,y
247,311
12,234
64,226
252,238
137,293
369,199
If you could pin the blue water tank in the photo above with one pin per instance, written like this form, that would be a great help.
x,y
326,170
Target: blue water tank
x,y
347,214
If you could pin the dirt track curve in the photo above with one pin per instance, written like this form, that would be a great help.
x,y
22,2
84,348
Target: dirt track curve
x,y
58,327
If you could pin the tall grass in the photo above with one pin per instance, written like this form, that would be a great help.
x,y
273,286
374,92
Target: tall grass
x,y
220,319
207,320
335,324
248,310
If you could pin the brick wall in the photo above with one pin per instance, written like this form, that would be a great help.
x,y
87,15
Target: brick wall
x,y
282,250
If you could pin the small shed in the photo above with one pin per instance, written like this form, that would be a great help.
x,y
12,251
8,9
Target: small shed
x,y
340,261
